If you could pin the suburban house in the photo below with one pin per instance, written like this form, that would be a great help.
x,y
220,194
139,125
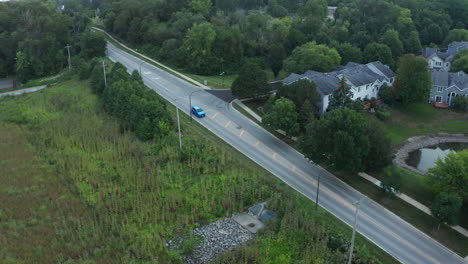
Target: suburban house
x,y
442,59
446,85
364,80
331,10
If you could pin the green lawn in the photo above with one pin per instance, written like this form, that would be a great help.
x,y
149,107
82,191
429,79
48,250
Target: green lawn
x,y
216,81
419,119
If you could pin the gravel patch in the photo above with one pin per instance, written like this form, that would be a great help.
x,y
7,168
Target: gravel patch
x,y
218,237
418,142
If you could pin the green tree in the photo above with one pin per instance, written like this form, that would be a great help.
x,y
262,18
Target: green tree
x,y
307,113
380,149
201,7
251,82
344,139
342,96
276,56
349,53
299,92
391,38
387,94
93,45
413,44
199,42
283,116
378,52
446,208
392,180
460,103
311,56
413,80
338,139
460,61
457,34
22,66
450,175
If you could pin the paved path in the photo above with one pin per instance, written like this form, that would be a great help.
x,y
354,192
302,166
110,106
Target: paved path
x,y
23,91
385,229
411,201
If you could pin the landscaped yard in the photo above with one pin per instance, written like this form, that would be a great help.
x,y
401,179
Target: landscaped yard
x,y
419,119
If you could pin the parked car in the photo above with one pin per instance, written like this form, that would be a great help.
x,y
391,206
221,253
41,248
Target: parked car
x,y
198,111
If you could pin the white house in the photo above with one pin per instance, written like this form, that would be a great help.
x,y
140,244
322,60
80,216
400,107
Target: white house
x,y
441,60
364,80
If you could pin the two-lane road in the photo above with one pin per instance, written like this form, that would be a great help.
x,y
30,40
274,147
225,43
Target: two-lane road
x,y
388,231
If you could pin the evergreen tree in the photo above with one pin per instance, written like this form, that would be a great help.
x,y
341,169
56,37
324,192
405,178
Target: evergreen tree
x,y
341,97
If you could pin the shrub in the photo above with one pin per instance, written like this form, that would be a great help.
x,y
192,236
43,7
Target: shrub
x,y
382,114
460,103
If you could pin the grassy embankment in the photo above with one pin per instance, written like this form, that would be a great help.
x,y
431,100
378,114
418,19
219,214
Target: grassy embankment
x,y
137,194
404,123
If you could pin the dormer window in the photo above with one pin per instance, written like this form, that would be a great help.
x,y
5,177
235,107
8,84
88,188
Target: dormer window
x,y
440,89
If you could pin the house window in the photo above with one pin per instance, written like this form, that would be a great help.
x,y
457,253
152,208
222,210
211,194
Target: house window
x,y
440,89
438,63
446,64
438,99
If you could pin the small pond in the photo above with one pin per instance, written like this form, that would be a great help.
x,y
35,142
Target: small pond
x,y
425,158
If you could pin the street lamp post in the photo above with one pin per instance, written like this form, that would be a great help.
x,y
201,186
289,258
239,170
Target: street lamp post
x,y
358,203
318,190
178,124
190,103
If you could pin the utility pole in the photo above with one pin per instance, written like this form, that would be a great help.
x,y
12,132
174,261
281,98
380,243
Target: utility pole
x,y
178,125
318,190
140,69
358,203
104,70
69,58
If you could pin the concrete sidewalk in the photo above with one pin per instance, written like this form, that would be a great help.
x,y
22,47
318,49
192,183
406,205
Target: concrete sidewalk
x,y
23,91
411,201
256,116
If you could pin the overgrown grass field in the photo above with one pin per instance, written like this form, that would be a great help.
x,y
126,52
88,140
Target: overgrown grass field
x,y
134,195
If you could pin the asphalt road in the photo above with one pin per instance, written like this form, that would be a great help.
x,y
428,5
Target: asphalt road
x,y
388,231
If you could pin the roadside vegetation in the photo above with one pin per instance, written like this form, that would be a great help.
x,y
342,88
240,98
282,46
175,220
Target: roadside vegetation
x,y
137,194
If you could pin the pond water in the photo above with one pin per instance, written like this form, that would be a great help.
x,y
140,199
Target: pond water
x,y
425,158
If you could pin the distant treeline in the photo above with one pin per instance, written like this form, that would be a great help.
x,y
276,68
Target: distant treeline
x,y
210,36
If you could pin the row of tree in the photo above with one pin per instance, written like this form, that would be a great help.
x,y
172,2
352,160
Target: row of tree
x,y
126,97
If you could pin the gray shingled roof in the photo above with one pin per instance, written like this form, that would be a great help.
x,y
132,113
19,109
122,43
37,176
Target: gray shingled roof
x,y
426,52
356,75
458,44
382,68
460,79
440,77
446,79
